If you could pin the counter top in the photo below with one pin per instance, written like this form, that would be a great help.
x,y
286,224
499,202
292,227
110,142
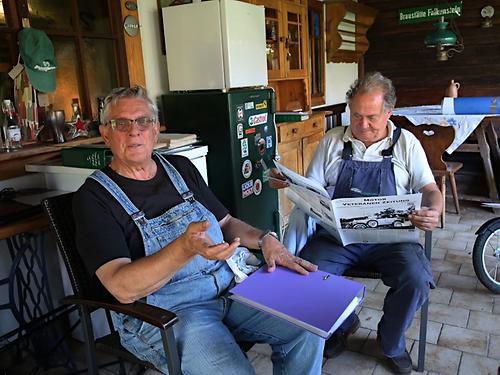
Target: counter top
x,y
311,115
37,149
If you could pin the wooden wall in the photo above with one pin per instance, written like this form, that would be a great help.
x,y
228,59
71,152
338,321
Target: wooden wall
x,y
398,51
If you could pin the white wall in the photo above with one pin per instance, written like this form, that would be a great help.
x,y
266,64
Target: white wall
x,y
338,78
155,63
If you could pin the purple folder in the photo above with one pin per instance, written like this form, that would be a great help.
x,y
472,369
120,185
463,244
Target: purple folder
x,y
318,302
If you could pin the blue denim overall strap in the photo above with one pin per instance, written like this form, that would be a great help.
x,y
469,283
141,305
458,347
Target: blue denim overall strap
x,y
200,279
359,178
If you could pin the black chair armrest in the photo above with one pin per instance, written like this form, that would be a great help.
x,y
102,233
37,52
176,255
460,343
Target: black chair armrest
x,y
153,315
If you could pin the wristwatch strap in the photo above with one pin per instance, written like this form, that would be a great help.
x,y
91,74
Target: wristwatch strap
x,y
263,235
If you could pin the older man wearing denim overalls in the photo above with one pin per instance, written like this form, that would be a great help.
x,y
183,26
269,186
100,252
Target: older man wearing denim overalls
x,y
372,157
146,229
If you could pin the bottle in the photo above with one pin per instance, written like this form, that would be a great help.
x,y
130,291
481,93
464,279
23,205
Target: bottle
x,y
100,109
11,132
75,108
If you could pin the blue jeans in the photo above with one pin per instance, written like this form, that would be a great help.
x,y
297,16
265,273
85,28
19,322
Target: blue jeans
x,y
206,336
404,268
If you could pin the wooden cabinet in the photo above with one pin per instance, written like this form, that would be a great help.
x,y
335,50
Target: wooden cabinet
x,y
286,38
287,52
297,142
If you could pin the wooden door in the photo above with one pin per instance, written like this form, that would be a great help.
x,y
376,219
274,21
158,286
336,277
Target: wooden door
x,y
295,42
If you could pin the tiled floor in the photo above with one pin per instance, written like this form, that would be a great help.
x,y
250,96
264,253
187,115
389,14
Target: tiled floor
x,y
464,317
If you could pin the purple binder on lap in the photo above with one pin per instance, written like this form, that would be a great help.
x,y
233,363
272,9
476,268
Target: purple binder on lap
x,y
318,302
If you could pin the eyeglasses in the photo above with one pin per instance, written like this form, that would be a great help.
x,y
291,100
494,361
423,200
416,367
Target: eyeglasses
x,y
125,124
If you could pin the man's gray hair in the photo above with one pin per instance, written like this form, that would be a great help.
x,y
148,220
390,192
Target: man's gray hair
x,y
134,92
374,81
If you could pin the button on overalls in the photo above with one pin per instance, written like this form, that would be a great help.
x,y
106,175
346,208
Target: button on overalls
x,y
404,267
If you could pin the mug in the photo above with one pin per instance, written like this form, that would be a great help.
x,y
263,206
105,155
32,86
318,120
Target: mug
x,y
56,121
452,89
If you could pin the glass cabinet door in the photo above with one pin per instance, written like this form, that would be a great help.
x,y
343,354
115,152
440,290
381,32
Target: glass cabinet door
x,y
274,37
295,40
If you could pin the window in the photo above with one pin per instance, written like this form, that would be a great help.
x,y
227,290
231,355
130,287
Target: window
x,y
88,43
316,53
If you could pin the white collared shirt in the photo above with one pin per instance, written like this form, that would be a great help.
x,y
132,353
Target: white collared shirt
x,y
411,169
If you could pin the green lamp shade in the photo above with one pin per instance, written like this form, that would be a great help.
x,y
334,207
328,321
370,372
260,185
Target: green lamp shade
x,y
441,36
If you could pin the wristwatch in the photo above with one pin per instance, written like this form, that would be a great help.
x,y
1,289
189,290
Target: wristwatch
x,y
263,235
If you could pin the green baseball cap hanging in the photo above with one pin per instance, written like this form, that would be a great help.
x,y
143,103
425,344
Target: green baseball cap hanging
x,y
39,59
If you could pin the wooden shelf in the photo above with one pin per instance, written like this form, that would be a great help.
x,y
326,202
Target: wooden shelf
x,y
13,162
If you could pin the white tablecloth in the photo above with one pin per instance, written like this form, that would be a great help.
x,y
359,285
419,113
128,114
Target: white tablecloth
x,y
464,125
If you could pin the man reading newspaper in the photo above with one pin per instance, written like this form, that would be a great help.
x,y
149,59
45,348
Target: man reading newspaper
x,y
371,158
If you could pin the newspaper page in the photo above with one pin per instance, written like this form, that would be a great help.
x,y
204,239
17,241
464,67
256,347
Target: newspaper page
x,y
355,220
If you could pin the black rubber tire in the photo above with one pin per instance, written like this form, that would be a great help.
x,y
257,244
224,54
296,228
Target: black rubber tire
x,y
397,224
359,226
477,256
371,223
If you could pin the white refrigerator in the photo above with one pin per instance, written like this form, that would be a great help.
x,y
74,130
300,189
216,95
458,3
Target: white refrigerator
x,y
216,44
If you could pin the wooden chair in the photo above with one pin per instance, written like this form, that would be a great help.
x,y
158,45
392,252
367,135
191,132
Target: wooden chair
x,y
370,273
61,222
435,140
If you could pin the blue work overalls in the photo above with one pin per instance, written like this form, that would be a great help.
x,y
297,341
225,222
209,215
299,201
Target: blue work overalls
x,y
404,267
208,321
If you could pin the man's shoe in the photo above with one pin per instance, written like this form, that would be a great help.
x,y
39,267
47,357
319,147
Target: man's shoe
x,y
401,364
336,344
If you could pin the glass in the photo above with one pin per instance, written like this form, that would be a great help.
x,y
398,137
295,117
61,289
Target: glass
x,y
51,14
125,124
101,77
67,85
94,16
294,22
3,22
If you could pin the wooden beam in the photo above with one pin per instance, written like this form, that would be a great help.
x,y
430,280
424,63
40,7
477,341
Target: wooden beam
x,y
133,48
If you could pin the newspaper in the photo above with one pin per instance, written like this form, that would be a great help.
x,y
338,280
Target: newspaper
x,y
381,219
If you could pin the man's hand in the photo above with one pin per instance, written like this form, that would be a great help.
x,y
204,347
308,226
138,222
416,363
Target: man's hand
x,y
276,254
276,179
195,241
426,218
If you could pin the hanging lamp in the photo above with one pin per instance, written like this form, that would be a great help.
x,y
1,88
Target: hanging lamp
x,y
445,41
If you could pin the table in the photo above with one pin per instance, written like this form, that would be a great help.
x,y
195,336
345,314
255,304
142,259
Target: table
x,y
482,125
29,297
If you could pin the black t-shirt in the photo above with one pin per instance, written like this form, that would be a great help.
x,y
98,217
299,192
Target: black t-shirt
x,y
104,231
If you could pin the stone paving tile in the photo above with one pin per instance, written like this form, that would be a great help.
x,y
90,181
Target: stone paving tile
x,y
350,363
438,253
261,349
446,314
494,349
369,318
462,339
374,300
482,321
383,369
441,360
440,295
461,227
457,282
433,330
496,307
467,269
452,244
458,256
381,288
356,340
474,364
480,301
262,364
445,266
443,234
465,236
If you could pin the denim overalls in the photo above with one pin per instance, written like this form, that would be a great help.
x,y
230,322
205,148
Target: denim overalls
x,y
404,267
196,293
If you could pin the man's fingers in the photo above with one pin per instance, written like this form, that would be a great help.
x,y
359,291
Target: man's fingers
x,y
198,226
